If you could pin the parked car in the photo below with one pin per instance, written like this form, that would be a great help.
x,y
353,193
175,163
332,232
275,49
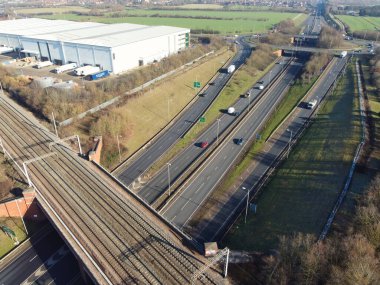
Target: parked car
x,y
204,144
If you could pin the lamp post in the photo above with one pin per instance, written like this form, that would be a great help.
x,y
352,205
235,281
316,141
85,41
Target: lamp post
x,y
290,140
118,146
217,131
246,208
168,164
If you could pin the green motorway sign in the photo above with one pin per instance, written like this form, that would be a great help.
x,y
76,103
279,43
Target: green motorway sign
x,y
202,119
197,84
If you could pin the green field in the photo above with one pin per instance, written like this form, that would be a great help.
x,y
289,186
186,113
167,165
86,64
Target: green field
x,y
357,23
305,188
218,21
6,243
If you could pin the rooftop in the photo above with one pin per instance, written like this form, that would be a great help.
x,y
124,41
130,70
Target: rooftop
x,y
106,35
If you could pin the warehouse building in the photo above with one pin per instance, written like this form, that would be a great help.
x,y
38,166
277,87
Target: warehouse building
x,y
113,47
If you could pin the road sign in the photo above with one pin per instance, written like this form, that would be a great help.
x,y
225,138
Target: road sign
x,y
202,119
258,136
253,207
197,84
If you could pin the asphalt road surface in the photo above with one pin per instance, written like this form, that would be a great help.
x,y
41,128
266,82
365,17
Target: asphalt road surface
x,y
158,184
45,259
128,173
215,227
191,198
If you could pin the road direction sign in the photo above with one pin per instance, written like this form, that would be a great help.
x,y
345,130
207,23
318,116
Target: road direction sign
x,y
197,84
202,119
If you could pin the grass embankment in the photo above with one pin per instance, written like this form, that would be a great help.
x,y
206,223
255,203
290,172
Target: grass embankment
x,y
357,23
223,22
305,188
364,173
238,85
146,115
7,244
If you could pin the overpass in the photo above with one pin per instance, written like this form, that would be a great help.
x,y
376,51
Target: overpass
x,y
117,238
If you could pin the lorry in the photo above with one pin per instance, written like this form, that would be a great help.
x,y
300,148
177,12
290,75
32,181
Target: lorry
x,y
343,54
42,64
98,75
231,68
65,67
86,70
311,104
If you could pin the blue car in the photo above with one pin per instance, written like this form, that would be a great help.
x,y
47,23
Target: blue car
x,y
240,141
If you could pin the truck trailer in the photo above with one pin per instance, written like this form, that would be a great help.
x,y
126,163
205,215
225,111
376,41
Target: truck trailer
x,y
231,68
65,67
98,75
43,64
86,70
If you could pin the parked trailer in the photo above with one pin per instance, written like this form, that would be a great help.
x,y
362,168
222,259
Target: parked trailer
x,y
65,67
99,75
231,68
5,50
43,64
86,70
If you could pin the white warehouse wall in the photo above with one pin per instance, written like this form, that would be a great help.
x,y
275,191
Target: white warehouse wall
x,y
128,56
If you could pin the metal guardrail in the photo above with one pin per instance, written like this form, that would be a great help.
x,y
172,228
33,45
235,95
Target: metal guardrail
x,y
358,152
258,186
176,190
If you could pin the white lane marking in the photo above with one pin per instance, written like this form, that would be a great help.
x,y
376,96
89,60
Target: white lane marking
x,y
185,204
33,258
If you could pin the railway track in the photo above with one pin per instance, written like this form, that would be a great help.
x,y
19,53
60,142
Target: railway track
x,y
128,248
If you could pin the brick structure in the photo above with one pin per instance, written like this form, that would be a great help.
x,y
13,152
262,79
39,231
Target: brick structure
x,y
25,206
96,150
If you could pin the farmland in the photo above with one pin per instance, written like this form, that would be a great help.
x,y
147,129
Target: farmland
x,y
360,23
223,22
302,193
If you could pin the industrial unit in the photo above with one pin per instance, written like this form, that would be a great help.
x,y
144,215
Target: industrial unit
x,y
113,47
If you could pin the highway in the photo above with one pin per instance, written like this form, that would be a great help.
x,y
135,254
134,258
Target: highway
x,y
118,239
183,206
129,172
224,214
160,182
44,259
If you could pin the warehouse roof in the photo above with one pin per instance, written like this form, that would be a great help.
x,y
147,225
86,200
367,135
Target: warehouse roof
x,y
34,26
86,33
110,35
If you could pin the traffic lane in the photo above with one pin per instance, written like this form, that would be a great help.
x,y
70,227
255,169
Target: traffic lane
x,y
195,193
156,186
134,170
266,158
61,273
26,263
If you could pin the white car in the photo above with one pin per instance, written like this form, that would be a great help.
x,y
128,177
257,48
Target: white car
x,y
261,87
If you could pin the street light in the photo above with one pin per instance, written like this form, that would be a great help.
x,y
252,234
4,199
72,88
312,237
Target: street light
x,y
246,208
168,164
217,131
118,146
290,140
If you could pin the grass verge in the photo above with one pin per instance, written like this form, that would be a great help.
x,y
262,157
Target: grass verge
x,y
7,244
291,100
304,189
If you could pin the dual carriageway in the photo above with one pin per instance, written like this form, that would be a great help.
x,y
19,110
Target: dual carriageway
x,y
118,237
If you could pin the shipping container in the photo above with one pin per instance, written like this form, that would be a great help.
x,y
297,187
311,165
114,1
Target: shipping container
x,y
86,70
65,67
43,64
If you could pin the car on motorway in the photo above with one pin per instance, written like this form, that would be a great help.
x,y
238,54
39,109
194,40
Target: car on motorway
x,y
204,144
261,87
239,141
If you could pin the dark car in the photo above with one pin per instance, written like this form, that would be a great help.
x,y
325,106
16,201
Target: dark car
x,y
204,144
239,141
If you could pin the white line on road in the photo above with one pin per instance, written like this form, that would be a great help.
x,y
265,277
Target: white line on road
x,y
32,258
